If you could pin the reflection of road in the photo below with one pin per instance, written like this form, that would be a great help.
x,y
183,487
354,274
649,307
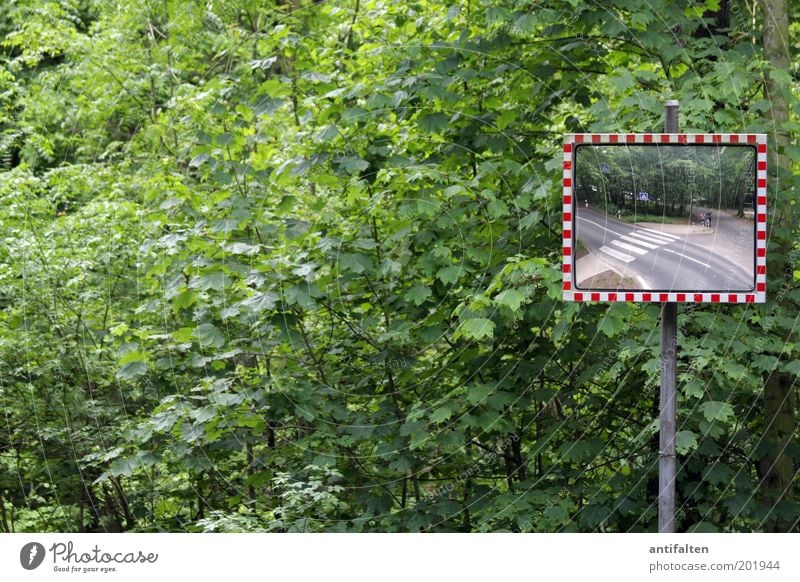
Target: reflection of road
x,y
733,234
659,260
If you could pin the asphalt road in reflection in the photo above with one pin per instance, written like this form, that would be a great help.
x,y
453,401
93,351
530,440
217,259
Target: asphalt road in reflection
x,y
659,260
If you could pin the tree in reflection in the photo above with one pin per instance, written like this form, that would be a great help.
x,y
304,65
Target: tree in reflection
x,y
671,180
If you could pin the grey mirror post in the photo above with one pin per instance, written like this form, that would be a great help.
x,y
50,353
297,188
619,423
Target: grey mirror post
x,y
667,392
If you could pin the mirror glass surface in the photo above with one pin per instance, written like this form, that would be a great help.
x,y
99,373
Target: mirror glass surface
x,y
674,218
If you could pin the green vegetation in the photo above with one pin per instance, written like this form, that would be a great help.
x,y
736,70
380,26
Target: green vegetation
x,y
295,266
639,216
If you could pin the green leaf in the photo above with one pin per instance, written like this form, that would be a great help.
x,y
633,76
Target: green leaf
x,y
434,122
132,365
718,473
215,281
693,388
353,165
225,226
441,414
477,328
703,527
286,204
239,248
510,298
183,300
721,411
132,370
355,262
209,335
327,133
204,413
685,441
275,88
410,427
575,450
497,208
490,420
418,294
298,295
764,362
261,302
613,321
401,464
622,81
198,160
792,367
354,114
479,392
557,514
196,462
267,105
191,432
124,467
497,15
734,370
526,23
391,268
449,275
259,479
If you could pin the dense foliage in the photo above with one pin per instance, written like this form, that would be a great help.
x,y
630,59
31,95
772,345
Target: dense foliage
x,y
295,266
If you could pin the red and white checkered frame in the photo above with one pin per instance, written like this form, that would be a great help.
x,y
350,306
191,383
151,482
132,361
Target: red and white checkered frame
x,y
758,140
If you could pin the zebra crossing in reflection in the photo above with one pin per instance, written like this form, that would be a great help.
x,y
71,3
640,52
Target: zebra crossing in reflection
x,y
632,245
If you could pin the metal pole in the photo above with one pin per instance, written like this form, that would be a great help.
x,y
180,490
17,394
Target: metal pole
x,y
666,432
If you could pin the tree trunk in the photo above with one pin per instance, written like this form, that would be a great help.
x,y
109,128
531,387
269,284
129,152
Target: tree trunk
x,y
3,518
740,199
775,466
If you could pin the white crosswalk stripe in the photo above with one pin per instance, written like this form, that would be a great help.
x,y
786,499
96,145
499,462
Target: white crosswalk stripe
x,y
627,247
617,254
637,243
660,233
651,238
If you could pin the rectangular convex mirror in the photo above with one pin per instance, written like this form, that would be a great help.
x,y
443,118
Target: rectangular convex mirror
x,y
665,217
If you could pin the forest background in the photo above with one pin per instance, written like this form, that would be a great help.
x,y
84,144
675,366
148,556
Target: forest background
x,y
295,266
